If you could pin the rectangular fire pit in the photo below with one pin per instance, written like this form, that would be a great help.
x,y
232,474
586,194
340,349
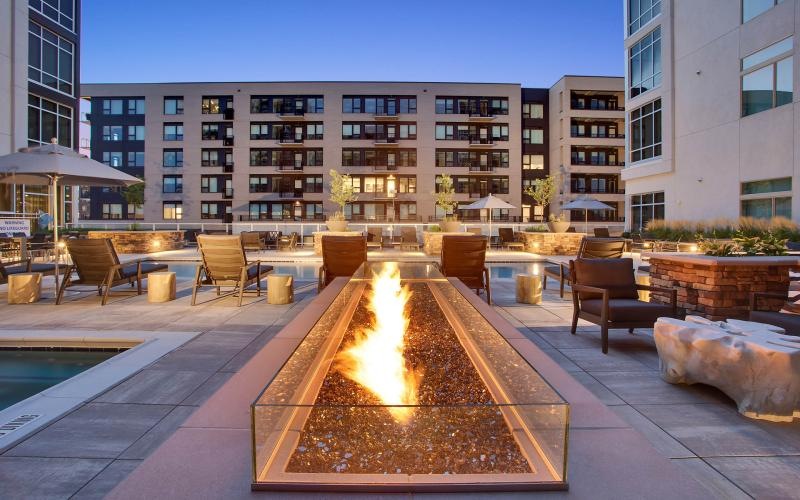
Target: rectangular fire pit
x,y
468,414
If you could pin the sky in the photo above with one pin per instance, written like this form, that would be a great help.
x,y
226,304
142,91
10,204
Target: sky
x,y
532,42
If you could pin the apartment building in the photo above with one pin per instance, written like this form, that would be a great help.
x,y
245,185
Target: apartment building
x,y
712,109
39,87
230,152
587,145
535,151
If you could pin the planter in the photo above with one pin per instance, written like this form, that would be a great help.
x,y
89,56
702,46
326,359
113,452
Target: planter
x,y
558,227
336,225
552,243
450,226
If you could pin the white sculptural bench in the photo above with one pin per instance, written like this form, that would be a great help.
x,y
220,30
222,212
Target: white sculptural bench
x,y
753,363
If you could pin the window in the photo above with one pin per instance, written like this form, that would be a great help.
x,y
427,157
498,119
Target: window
x,y
645,131
645,63
532,110
314,131
532,162
210,158
173,105
173,210
112,210
210,106
135,211
173,184
646,207
640,12
210,131
766,199
136,132
767,78
379,105
112,106
533,136
136,158
210,210
135,106
173,158
50,59
48,120
113,159
112,132
209,184
753,8
173,131
315,105
60,11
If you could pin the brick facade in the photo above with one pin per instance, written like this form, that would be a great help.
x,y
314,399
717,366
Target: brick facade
x,y
552,243
142,241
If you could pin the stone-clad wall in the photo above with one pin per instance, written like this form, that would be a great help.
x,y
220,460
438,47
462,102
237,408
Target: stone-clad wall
x,y
552,243
142,241
718,288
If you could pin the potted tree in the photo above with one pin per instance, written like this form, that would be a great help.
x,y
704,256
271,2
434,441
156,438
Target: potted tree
x,y
341,194
446,201
543,191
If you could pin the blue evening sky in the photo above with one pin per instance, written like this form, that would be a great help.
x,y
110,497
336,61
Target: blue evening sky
x,y
532,42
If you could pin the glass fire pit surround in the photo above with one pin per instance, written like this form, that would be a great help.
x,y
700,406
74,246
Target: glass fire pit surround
x,y
468,414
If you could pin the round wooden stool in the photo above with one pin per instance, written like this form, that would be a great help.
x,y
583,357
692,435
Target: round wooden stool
x,y
280,289
529,289
161,286
24,288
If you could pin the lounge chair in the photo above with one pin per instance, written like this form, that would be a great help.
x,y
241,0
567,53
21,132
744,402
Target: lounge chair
x,y
96,263
788,318
464,257
225,265
341,256
271,238
288,243
252,240
475,230
28,266
590,248
374,238
507,239
604,292
601,232
408,239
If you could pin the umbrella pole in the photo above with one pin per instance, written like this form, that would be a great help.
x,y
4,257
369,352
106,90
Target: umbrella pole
x,y
586,221
54,200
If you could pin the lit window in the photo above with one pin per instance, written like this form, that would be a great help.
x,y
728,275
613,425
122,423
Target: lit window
x,y
532,162
173,210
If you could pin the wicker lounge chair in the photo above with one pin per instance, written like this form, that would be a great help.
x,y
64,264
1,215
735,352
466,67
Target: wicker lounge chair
x,y
341,256
590,248
604,292
464,257
225,265
96,263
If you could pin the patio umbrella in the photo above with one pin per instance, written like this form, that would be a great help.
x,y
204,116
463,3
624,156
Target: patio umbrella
x,y
52,165
586,203
489,202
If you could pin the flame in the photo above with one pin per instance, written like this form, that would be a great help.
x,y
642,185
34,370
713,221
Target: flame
x,y
375,359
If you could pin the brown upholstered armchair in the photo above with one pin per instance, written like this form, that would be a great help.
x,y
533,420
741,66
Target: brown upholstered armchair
x,y
789,321
341,256
590,248
605,292
464,257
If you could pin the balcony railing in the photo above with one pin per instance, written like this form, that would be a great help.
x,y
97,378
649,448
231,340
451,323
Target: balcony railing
x,y
291,139
598,136
478,141
577,190
481,114
481,168
606,106
296,165
297,193
270,217
382,139
384,168
228,168
600,163
291,111
386,114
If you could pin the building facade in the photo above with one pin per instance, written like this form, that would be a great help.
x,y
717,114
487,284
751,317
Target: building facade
x,y
587,145
230,152
712,109
39,91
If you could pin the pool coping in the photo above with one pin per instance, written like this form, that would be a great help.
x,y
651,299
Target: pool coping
x,y
39,410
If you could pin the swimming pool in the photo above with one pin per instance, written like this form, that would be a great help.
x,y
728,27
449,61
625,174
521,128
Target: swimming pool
x,y
510,270
24,373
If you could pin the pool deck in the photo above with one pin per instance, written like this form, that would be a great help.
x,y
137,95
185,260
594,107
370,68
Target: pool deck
x,y
689,437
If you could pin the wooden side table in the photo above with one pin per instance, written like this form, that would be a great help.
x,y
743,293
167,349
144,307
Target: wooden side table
x,y
24,288
161,286
280,289
529,289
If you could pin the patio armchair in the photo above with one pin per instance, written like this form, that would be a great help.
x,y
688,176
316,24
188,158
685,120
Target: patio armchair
x,y
508,240
252,240
601,232
590,248
96,263
271,238
374,238
225,265
288,243
408,239
464,257
605,292
341,256
788,318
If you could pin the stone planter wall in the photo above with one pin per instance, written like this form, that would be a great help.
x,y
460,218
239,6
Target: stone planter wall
x,y
142,241
552,243
432,241
719,288
319,234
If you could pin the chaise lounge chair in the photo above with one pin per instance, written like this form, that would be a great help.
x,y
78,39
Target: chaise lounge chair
x,y
96,263
225,265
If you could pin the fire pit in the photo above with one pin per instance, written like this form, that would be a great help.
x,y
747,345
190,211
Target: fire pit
x,y
403,386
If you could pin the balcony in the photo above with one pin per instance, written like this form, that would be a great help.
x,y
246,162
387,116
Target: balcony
x,y
487,169
480,141
599,163
597,136
481,116
291,166
290,140
228,168
386,115
384,168
229,114
597,106
269,217
385,141
580,190
228,141
297,193
291,113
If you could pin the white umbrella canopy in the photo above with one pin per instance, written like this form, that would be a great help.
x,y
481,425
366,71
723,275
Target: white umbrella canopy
x,y
586,203
52,165
489,202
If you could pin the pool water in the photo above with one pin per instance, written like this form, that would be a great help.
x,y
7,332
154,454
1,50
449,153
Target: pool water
x,y
25,373
503,271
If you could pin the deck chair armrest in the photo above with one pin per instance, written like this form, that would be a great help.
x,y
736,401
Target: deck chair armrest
x,y
766,295
591,289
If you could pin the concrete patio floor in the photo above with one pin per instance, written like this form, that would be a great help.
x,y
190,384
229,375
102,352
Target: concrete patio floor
x,y
89,451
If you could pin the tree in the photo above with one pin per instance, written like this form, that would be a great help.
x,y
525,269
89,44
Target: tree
x,y
543,190
341,192
134,195
445,196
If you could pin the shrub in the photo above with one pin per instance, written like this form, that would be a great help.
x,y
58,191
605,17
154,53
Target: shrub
x,y
540,228
683,230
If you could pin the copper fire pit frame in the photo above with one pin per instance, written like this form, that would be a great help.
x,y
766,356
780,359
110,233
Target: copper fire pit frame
x,y
535,414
